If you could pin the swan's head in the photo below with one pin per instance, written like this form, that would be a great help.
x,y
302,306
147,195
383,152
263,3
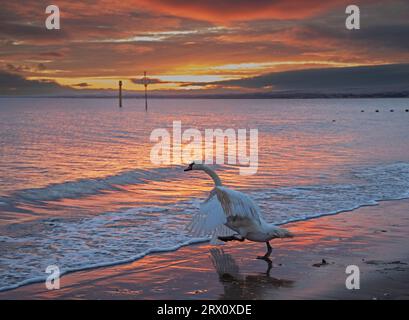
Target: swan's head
x,y
199,166
190,167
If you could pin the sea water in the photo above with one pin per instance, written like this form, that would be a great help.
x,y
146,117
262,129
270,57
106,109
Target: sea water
x,y
78,189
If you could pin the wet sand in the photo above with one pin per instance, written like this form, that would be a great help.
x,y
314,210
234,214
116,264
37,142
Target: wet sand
x,y
375,238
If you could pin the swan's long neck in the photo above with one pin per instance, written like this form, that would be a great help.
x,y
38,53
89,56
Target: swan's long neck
x,y
211,173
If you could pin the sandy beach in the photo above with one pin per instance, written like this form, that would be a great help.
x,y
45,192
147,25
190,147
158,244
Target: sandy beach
x,y
373,238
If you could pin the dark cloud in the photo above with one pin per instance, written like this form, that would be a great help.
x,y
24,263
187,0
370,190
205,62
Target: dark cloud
x,y
17,68
387,36
14,84
18,31
158,81
378,36
22,68
81,85
377,78
149,80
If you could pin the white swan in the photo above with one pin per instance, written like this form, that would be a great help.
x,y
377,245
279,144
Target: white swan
x,y
231,215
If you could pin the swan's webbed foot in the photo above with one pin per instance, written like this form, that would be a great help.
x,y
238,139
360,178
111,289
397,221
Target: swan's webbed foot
x,y
231,238
265,258
225,239
268,253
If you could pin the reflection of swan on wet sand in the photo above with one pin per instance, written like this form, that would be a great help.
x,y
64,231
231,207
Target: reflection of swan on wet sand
x,y
236,286
232,216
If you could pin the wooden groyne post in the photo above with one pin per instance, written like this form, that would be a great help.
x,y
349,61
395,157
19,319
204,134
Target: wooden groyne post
x,y
145,83
120,93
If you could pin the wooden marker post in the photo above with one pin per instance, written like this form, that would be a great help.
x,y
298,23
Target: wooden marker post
x,y
120,94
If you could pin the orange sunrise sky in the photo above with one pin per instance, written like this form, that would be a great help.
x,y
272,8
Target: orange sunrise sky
x,y
193,45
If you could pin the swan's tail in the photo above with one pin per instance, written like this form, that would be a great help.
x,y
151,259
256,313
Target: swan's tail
x,y
283,233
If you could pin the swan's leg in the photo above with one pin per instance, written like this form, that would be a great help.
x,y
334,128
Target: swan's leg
x,y
268,253
269,249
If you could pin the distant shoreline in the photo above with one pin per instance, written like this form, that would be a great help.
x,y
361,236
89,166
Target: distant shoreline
x,y
232,96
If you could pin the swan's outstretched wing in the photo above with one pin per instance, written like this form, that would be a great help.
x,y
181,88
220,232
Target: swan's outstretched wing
x,y
214,212
209,219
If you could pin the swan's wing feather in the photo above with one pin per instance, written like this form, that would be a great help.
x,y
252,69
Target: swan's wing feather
x,y
209,218
235,203
221,204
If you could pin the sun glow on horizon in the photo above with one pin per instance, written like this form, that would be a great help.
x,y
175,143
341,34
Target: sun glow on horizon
x,y
192,75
